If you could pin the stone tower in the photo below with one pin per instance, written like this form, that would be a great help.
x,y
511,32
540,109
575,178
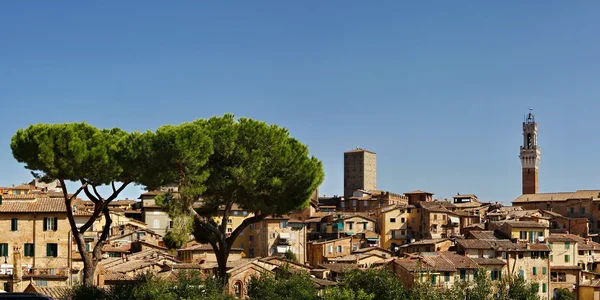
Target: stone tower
x,y
530,155
360,171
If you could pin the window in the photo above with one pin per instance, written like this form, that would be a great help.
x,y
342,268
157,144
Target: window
x,y
283,224
551,257
330,249
41,282
427,249
504,255
401,220
567,245
463,274
365,225
242,245
567,258
351,225
4,249
433,279
408,210
392,220
273,235
366,203
447,276
444,217
171,224
340,248
534,271
544,287
229,221
50,224
550,245
29,250
52,249
583,210
523,235
434,216
522,273
229,230
496,275
572,210
14,225
544,270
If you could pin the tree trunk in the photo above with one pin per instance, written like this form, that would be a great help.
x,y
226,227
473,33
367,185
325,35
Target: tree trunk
x,y
222,257
89,269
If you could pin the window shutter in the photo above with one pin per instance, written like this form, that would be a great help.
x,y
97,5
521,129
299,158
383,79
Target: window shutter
x,y
55,223
45,224
48,250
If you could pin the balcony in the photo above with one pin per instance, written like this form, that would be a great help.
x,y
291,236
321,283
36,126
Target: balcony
x,y
44,272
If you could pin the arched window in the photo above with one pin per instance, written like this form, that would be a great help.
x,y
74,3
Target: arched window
x,y
237,289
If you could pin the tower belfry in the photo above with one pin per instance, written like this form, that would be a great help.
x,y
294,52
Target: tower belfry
x,y
530,154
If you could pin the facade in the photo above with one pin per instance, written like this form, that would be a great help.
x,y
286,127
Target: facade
x,y
274,237
320,251
398,225
35,243
530,156
154,215
360,171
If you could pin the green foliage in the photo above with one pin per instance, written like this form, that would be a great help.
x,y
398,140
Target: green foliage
x,y
290,255
343,293
282,286
188,286
516,288
83,292
382,284
482,287
78,151
564,294
258,166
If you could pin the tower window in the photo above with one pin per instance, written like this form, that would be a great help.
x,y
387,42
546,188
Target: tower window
x,y
529,142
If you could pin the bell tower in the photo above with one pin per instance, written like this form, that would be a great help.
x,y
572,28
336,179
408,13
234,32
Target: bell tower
x,y
530,154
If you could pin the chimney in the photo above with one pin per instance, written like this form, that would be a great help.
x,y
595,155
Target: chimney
x,y
17,276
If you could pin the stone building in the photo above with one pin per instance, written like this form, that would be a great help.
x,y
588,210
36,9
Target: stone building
x,y
320,251
39,229
360,171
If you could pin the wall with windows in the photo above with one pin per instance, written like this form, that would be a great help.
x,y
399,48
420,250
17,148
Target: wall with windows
x,y
42,237
318,252
564,253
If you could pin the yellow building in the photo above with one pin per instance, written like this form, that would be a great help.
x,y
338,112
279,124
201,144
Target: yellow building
x,y
525,231
398,225
35,242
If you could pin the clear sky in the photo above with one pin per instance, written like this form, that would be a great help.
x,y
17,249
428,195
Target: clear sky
x,y
438,89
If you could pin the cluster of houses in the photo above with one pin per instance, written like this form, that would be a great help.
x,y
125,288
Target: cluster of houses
x,y
547,239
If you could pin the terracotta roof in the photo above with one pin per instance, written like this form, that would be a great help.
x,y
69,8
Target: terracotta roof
x,y
417,192
322,282
474,244
38,205
23,186
543,197
429,242
19,196
124,248
408,264
525,224
488,261
340,268
56,292
565,268
368,249
459,261
583,243
439,263
483,235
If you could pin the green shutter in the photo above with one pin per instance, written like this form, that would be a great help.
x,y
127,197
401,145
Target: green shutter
x,y
544,270
48,250
543,287
566,258
55,223
45,224
534,271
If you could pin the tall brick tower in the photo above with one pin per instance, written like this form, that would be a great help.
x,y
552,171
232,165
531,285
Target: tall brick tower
x,y
360,171
530,154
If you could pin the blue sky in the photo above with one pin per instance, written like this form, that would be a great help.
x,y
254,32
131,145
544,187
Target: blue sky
x,y
438,89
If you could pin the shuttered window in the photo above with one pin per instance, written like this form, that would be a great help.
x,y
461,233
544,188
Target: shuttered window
x,y
50,224
29,250
52,249
14,224
4,249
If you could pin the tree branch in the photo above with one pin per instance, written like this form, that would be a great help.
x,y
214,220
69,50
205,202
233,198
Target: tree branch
x,y
204,223
96,192
112,184
254,219
95,214
225,219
